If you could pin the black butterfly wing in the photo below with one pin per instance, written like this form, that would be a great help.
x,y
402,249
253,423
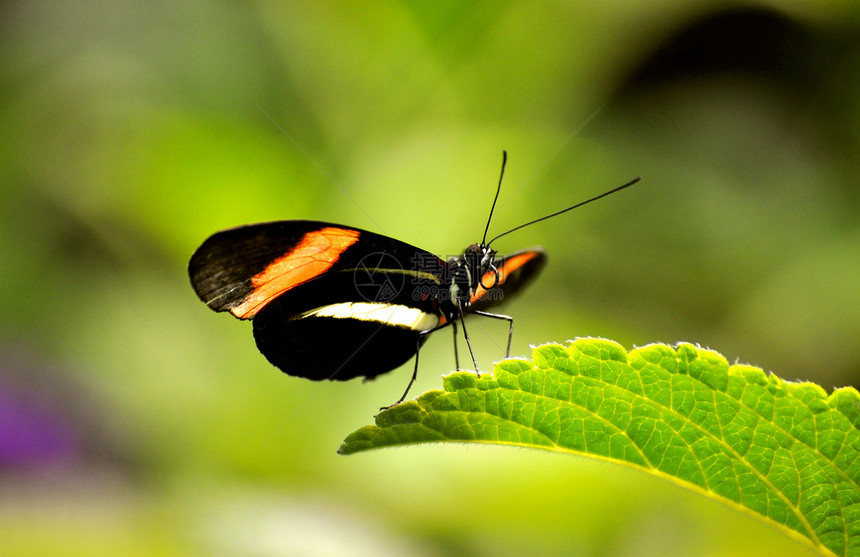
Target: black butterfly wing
x,y
515,272
242,269
328,329
327,301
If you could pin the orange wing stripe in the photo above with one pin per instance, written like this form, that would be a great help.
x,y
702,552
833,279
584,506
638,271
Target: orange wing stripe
x,y
314,255
511,265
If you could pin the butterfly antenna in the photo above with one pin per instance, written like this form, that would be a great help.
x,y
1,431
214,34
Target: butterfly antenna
x,y
498,189
619,188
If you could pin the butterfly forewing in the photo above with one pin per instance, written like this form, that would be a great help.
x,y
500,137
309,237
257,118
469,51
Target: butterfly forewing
x,y
515,271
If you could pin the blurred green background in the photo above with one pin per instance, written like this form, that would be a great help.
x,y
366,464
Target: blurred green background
x,y
134,421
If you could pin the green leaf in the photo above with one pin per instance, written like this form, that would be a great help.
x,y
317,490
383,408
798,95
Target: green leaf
x,y
786,452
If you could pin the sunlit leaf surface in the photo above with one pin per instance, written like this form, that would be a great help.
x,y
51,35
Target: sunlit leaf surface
x,y
784,451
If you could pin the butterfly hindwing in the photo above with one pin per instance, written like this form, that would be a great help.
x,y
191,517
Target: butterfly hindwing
x,y
326,329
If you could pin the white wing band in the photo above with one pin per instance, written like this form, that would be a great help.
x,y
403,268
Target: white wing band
x,y
387,314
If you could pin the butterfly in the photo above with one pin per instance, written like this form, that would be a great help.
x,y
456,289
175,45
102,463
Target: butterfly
x,y
335,302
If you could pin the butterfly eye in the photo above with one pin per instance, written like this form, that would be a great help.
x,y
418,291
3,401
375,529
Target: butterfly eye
x,y
495,279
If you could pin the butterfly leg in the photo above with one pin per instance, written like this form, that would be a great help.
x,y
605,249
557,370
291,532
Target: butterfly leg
x,y
507,318
469,344
418,344
456,354
411,381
